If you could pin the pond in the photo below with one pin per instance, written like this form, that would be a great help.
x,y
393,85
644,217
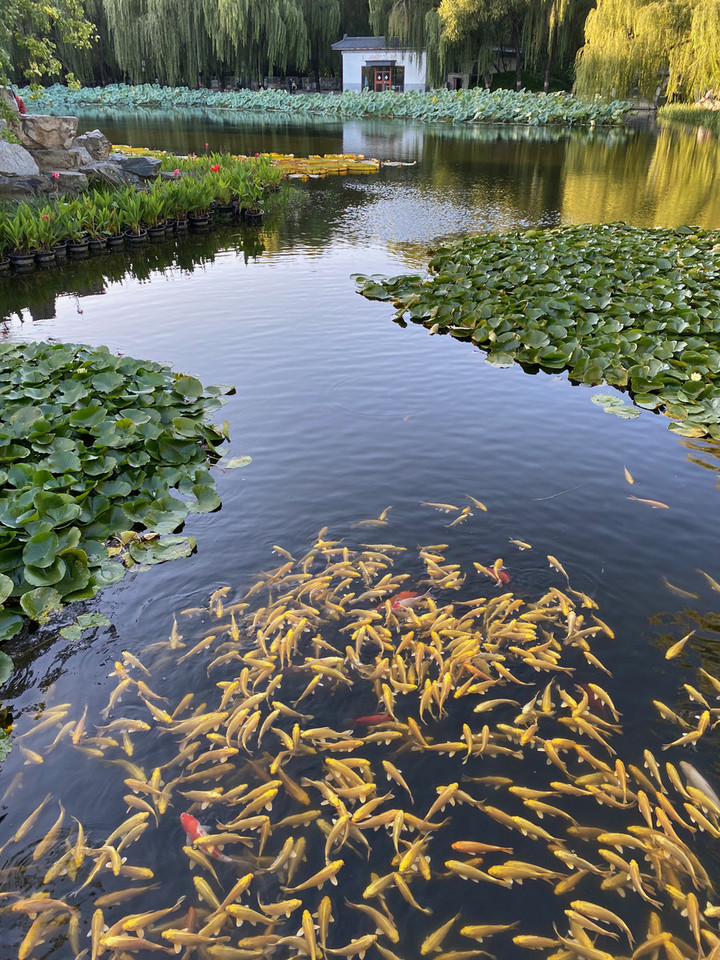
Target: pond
x,y
347,415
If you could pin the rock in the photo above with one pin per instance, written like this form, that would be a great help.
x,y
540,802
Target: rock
x,y
21,188
47,133
109,173
69,182
15,159
96,144
146,167
54,159
8,100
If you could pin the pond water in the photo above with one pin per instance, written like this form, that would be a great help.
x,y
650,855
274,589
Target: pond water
x,y
346,414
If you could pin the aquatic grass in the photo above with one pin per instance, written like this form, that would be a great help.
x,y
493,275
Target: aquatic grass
x,y
92,445
638,309
334,725
456,106
693,114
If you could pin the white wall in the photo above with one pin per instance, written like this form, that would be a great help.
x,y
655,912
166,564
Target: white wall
x,y
354,60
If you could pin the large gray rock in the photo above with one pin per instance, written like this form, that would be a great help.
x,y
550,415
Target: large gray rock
x,y
107,173
146,167
53,159
21,188
47,133
16,160
8,100
69,182
96,144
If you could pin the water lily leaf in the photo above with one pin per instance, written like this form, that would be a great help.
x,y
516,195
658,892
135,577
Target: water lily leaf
x,y
91,620
10,624
159,551
6,669
6,587
40,603
57,508
71,632
109,573
606,400
686,429
207,499
623,412
234,463
45,576
188,386
77,575
41,550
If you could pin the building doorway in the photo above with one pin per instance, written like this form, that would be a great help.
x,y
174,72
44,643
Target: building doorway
x,y
381,79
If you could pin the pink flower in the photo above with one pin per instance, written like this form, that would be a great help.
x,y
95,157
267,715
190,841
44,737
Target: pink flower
x,y
193,155
55,176
257,154
207,145
176,172
46,216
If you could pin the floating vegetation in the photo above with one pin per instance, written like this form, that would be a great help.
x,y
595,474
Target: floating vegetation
x,y
366,743
94,446
458,106
634,308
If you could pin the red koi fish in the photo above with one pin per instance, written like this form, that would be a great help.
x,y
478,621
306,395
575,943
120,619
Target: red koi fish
x,y
371,719
406,598
194,829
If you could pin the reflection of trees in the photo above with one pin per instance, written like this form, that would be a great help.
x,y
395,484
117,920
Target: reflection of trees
x,y
667,181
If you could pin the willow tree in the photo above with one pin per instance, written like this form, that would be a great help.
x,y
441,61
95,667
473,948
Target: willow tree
x,y
650,46
29,31
459,17
418,24
322,25
552,33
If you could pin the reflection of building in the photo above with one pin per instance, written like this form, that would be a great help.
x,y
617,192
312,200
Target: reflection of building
x,y
368,63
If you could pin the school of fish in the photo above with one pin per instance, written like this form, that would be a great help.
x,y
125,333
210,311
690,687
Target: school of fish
x,y
371,762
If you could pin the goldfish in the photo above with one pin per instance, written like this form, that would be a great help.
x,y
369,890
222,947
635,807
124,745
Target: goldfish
x,y
194,830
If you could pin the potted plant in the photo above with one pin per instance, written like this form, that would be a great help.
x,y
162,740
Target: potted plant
x,y
155,212
131,205
200,196
20,237
4,247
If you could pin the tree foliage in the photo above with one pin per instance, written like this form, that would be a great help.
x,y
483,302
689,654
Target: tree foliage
x,y
652,46
31,33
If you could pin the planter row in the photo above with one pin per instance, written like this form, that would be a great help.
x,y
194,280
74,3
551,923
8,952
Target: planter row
x,y
25,262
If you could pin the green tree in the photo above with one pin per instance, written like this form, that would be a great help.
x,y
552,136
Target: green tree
x,y
650,46
322,23
29,34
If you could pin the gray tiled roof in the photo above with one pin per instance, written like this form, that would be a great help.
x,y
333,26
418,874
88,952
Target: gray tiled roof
x,y
367,43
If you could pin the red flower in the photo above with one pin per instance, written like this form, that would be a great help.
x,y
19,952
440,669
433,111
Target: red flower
x,y
214,168
55,176
176,172
46,216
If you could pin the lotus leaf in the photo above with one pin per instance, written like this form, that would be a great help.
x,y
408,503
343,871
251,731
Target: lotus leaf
x,y
10,624
6,588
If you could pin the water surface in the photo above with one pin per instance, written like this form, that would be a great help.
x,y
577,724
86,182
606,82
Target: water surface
x,y
346,413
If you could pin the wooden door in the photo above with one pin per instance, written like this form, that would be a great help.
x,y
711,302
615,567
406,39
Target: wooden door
x,y
382,79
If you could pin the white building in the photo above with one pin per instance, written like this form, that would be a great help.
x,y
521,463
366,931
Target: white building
x,y
369,64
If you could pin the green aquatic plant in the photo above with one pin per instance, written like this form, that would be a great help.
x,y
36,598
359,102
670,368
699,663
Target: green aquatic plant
x,y
456,106
92,445
634,308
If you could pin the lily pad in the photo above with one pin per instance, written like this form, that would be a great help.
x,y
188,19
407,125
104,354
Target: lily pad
x,y
235,463
162,550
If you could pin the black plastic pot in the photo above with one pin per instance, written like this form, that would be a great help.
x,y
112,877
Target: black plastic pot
x,y
254,217
200,222
60,251
157,233
97,246
226,210
79,249
136,237
45,256
5,266
181,226
114,243
23,261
